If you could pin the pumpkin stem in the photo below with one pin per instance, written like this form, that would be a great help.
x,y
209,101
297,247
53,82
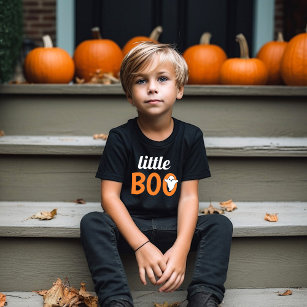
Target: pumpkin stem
x,y
156,32
244,54
96,33
205,39
280,37
47,41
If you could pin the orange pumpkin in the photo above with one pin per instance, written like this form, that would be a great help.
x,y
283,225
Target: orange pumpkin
x,y
271,54
294,61
243,70
48,64
97,54
204,61
153,37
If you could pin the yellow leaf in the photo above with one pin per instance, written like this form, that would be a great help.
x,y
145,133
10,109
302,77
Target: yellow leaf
x,y
102,136
45,215
228,205
271,217
287,292
212,210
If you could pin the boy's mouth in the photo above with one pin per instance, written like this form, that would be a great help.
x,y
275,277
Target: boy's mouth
x,y
153,101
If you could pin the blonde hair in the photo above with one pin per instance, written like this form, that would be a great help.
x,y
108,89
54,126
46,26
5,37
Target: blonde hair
x,y
141,55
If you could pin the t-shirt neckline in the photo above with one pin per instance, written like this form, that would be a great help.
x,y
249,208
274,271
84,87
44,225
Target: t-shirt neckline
x,y
151,142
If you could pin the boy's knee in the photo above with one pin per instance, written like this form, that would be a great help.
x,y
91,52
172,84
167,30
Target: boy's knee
x,y
218,221
91,220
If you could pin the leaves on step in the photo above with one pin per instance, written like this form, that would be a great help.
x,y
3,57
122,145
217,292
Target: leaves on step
x,y
62,295
99,77
2,300
45,215
271,217
228,205
2,133
286,293
80,201
102,136
212,210
166,304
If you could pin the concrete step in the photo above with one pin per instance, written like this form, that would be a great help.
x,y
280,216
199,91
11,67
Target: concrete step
x,y
246,169
263,254
260,111
233,298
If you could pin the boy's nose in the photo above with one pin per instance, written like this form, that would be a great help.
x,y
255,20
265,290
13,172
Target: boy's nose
x,y
152,88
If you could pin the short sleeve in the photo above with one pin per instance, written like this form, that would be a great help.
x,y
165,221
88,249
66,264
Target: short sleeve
x,y
113,162
196,163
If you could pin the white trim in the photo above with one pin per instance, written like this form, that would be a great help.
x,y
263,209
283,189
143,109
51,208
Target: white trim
x,y
263,23
65,25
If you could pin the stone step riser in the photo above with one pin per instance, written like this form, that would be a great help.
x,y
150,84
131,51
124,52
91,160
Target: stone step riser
x,y
66,178
80,111
34,263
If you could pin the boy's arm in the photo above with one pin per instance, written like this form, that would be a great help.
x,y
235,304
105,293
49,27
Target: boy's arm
x,y
149,257
176,256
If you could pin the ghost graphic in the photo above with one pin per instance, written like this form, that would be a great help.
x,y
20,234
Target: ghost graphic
x,y
171,182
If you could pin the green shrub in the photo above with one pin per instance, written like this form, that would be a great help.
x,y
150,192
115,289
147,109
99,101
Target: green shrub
x,y
10,37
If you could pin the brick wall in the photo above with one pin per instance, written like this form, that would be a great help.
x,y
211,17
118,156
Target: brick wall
x,y
39,19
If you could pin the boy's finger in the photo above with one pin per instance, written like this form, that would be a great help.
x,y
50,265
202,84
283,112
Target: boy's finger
x,y
175,285
157,270
151,276
142,276
162,265
169,283
165,276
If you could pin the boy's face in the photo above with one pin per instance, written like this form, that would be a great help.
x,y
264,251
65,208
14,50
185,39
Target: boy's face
x,y
154,89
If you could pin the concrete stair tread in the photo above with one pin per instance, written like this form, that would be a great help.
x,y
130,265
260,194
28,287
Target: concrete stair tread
x,y
216,146
248,219
233,298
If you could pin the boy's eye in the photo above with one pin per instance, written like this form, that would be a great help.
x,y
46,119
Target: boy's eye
x,y
140,81
162,79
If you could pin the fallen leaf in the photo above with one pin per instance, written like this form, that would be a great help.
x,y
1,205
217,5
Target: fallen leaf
x,y
80,201
286,293
212,210
45,215
62,295
271,217
228,205
2,299
166,304
2,133
102,136
79,80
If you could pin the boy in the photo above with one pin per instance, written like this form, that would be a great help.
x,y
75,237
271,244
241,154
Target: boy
x,y
149,175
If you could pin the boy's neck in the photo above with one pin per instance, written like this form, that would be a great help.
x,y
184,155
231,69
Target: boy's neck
x,y
157,128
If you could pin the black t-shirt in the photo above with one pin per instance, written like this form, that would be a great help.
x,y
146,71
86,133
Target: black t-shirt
x,y
151,172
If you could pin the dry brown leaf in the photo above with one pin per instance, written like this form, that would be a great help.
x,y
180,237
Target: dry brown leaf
x,y
62,295
212,210
100,77
166,304
102,136
286,293
79,80
45,215
2,299
2,133
271,217
80,201
228,205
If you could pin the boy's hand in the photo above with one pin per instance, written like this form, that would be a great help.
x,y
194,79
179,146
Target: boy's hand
x,y
174,273
151,262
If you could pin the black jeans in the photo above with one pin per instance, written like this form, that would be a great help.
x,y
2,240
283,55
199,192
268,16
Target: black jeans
x,y
103,244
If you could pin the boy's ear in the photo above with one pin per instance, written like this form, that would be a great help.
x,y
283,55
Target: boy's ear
x,y
129,98
180,92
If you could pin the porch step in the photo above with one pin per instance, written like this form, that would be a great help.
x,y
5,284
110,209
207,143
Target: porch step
x,y
39,252
243,168
248,219
47,109
233,298
216,146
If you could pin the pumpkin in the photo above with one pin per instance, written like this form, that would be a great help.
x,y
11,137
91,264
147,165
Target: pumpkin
x,y
48,64
271,54
294,61
243,70
153,37
204,61
97,54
